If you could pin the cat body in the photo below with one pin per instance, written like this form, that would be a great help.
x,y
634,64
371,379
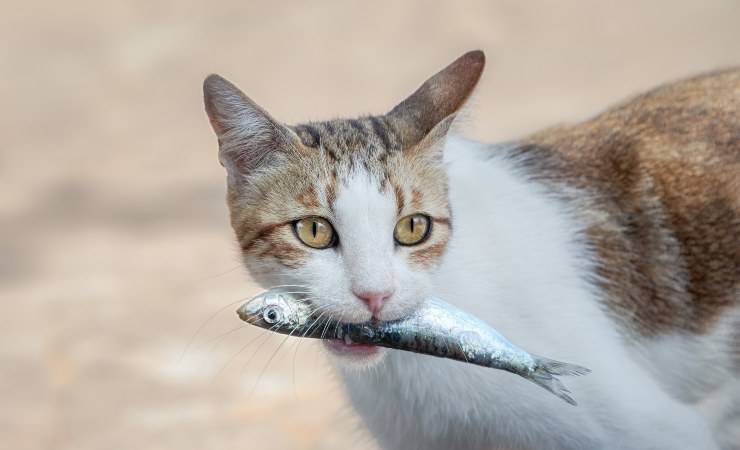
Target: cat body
x,y
613,244
541,273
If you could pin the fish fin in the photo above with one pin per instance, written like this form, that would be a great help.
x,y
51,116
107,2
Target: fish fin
x,y
545,373
554,367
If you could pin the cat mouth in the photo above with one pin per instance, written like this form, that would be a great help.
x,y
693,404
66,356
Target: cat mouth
x,y
345,347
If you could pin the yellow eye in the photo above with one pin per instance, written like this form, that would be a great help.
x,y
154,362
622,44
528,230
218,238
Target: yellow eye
x,y
412,230
315,232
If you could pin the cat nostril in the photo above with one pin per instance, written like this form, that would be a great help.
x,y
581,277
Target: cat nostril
x,y
374,300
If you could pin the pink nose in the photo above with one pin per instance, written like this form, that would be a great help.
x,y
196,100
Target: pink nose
x,y
374,300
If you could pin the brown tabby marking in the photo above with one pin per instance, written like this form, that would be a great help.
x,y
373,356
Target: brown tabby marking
x,y
262,235
400,203
286,254
309,198
275,241
663,171
428,256
442,221
416,198
331,194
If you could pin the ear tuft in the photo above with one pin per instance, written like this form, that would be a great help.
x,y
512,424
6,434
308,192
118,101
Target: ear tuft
x,y
440,96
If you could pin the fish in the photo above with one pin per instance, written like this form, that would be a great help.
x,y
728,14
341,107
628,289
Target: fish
x,y
435,328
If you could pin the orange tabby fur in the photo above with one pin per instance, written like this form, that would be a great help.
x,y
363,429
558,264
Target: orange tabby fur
x,y
664,172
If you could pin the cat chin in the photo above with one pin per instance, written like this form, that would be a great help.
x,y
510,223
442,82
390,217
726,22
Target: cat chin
x,y
354,358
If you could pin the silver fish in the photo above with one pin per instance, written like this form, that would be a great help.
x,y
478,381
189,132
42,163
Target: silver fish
x,y
435,328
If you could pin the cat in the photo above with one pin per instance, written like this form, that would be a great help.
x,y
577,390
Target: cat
x,y
613,243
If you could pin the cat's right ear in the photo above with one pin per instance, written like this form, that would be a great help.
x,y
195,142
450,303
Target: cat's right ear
x,y
248,137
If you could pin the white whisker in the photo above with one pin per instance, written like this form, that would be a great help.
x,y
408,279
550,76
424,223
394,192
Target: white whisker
x,y
220,310
251,341
259,378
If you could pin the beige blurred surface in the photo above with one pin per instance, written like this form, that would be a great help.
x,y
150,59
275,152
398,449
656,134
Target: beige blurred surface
x,y
115,245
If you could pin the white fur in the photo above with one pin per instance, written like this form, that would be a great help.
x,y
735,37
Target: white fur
x,y
704,372
366,259
514,260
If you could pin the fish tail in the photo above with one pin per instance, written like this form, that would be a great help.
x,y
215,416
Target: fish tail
x,y
545,372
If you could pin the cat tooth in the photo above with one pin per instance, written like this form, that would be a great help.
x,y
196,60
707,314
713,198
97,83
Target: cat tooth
x,y
347,339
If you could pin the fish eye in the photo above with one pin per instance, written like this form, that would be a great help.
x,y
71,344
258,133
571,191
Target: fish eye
x,y
412,230
315,232
272,315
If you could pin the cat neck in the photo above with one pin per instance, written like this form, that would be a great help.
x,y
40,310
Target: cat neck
x,y
514,238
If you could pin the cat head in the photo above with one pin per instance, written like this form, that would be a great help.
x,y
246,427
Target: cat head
x,y
353,212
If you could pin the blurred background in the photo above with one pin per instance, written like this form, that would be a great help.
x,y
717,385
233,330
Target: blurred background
x,y
115,247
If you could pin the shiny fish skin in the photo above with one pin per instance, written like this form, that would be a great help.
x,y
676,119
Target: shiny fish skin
x,y
436,328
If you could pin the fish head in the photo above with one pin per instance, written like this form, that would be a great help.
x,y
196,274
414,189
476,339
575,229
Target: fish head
x,y
276,311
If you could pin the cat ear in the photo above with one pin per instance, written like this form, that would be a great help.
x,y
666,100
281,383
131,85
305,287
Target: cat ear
x,y
248,137
426,116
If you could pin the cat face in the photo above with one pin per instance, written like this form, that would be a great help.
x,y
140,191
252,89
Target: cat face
x,y
352,212
349,215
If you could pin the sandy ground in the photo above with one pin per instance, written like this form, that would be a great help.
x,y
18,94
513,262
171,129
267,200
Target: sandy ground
x,y
115,246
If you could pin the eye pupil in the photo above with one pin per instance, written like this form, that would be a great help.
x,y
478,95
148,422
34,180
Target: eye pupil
x,y
315,232
412,230
271,315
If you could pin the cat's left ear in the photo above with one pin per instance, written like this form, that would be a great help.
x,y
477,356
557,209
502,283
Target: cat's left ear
x,y
425,117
